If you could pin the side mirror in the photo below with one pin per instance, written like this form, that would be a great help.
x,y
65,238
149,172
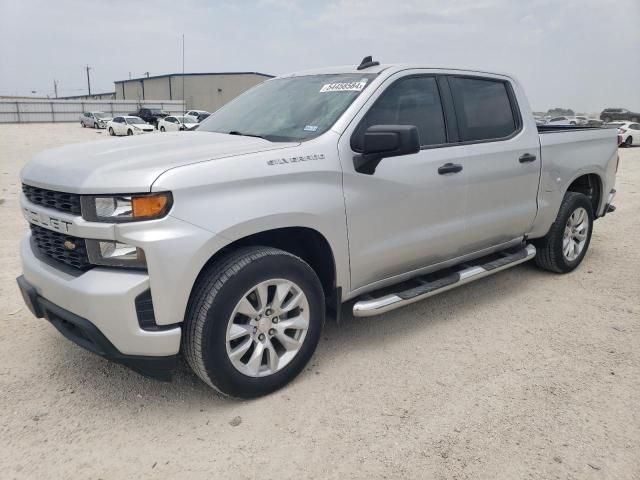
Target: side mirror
x,y
382,141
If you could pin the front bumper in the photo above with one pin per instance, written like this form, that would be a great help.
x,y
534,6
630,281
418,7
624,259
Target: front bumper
x,y
106,298
84,333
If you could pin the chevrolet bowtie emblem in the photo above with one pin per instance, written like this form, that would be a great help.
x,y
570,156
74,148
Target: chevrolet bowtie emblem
x,y
69,245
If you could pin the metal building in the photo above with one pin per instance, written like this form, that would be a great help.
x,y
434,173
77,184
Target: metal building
x,y
202,91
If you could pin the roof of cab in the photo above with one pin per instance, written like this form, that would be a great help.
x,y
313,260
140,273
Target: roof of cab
x,y
389,68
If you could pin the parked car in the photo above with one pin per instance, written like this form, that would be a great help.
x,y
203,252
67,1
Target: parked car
x,y
176,123
150,115
630,132
95,119
609,114
594,122
230,244
540,120
128,125
198,115
564,120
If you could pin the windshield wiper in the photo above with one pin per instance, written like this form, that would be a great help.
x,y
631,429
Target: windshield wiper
x,y
235,132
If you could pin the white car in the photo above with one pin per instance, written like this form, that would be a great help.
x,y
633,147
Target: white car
x,y
128,125
197,115
175,123
95,119
564,120
630,132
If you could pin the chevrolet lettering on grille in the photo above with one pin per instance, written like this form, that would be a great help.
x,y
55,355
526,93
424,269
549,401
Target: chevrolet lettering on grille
x,y
47,221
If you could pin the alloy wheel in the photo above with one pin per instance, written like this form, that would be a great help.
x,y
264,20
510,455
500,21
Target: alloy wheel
x,y
267,328
575,235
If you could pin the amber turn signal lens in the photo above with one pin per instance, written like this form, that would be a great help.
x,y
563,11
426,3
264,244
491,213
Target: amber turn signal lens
x,y
149,206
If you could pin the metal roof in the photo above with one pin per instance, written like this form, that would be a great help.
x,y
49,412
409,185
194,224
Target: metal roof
x,y
192,74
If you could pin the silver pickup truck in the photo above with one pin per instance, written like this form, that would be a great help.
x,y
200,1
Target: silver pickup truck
x,y
381,184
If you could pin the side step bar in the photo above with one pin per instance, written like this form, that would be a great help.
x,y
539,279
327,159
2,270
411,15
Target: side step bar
x,y
461,275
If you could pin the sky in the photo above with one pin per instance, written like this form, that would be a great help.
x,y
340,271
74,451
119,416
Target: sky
x,y
580,54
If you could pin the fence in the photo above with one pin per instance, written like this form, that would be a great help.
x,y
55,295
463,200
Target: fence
x,y
31,111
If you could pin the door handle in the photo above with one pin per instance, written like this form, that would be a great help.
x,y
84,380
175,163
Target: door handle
x,y
449,168
527,157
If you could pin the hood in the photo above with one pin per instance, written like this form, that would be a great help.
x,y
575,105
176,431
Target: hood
x,y
132,164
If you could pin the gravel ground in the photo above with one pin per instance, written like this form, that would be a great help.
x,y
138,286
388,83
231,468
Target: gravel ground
x,y
525,374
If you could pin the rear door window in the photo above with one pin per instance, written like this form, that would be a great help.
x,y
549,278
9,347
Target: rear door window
x,y
408,101
483,109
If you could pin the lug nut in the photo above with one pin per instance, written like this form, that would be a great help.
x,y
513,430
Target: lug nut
x,y
272,331
255,329
261,337
268,312
275,320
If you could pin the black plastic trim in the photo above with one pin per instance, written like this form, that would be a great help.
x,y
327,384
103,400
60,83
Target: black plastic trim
x,y
146,314
54,263
85,334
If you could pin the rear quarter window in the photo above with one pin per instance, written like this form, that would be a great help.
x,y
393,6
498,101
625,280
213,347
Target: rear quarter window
x,y
483,108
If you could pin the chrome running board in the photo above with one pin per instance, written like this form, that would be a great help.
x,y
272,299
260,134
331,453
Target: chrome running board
x,y
437,283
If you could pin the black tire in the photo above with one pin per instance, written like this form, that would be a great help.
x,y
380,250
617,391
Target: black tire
x,y
162,129
549,254
213,299
95,125
628,142
83,125
129,132
111,132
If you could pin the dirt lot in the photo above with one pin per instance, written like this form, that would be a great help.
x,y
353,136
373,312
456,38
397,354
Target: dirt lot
x,y
523,375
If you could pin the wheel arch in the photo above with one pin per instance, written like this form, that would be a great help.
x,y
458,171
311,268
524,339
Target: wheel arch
x,y
589,184
304,242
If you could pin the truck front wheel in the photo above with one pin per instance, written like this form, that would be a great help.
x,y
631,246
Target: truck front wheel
x,y
567,241
253,322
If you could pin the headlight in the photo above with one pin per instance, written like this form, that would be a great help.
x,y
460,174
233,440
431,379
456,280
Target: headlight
x,y
115,254
125,208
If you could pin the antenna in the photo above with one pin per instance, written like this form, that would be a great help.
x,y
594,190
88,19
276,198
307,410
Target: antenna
x,y
367,62
55,87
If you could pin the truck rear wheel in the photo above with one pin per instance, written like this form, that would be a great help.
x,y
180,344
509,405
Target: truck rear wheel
x,y
253,322
567,241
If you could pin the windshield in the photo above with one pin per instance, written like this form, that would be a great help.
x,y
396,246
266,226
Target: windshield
x,y
100,115
289,109
135,121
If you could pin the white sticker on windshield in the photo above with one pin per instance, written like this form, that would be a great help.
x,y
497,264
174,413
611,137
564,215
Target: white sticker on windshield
x,y
344,86
310,128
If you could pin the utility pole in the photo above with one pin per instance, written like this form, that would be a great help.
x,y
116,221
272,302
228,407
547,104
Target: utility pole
x,y
184,100
147,74
55,87
88,79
